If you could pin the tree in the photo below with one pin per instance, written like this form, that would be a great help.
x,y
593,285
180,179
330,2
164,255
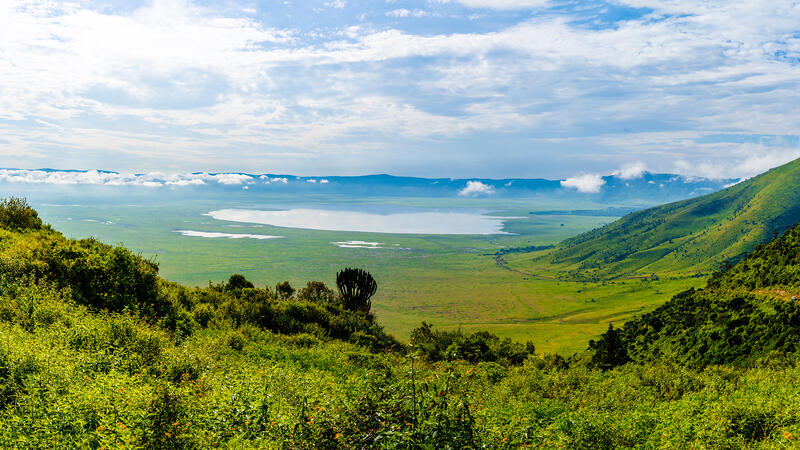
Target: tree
x,y
237,281
356,287
284,290
610,350
316,291
16,214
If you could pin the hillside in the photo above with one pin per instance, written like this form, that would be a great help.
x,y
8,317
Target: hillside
x,y
97,351
745,313
697,234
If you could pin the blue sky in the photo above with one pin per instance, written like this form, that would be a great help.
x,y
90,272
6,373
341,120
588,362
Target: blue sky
x,y
460,88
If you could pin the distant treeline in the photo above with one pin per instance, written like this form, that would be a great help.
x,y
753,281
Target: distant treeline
x,y
607,212
528,249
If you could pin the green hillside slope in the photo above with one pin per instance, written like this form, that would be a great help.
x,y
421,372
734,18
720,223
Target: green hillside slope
x,y
97,351
744,314
691,235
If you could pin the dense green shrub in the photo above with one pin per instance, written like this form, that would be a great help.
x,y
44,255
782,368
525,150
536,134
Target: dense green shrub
x,y
316,291
609,351
438,345
98,275
16,214
236,282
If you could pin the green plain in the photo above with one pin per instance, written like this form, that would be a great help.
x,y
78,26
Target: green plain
x,y
448,281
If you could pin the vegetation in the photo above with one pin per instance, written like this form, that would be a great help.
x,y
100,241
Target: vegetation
x,y
356,286
746,313
446,280
98,351
477,347
16,214
610,350
691,235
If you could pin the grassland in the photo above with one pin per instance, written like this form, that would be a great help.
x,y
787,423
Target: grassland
x,y
449,281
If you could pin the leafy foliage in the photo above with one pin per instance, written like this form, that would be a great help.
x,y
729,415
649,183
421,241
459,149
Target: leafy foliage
x,y
16,214
237,281
317,292
481,346
610,350
745,313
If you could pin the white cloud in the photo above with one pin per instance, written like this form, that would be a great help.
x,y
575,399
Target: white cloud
x,y
587,183
631,171
474,188
500,4
231,178
337,4
402,12
173,82
151,179
751,161
268,180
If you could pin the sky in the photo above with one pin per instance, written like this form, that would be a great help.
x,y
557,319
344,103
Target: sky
x,y
440,88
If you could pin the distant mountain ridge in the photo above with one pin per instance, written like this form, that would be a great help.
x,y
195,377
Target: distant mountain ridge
x,y
697,234
648,188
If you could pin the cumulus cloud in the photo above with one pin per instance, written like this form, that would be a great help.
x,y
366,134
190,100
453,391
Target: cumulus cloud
x,y
231,178
475,188
631,171
150,179
746,165
587,183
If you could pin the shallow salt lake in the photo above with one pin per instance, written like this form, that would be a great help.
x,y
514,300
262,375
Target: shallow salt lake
x,y
208,234
422,222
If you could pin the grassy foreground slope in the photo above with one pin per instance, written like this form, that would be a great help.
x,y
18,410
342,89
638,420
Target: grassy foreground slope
x,y
691,235
96,351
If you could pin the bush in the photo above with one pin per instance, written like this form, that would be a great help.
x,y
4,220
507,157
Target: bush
x,y
236,341
166,422
317,292
236,282
610,351
475,347
16,214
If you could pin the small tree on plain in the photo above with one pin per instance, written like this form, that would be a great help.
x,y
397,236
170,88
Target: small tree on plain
x,y
356,286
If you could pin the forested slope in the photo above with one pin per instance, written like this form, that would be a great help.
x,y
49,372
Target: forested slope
x,y
745,313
